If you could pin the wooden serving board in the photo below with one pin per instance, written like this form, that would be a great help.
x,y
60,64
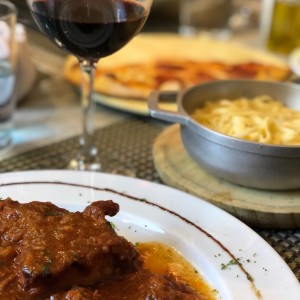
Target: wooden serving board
x,y
257,208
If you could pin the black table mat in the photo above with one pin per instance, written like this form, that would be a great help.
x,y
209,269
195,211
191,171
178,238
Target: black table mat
x,y
129,143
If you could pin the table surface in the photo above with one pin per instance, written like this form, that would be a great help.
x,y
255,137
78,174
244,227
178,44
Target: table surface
x,y
48,118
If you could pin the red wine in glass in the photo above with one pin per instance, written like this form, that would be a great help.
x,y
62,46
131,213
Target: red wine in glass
x,y
90,30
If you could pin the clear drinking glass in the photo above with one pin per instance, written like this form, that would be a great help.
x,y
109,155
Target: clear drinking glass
x,y
197,16
90,30
8,54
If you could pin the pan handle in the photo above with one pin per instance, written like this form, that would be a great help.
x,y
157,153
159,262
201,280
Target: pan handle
x,y
162,114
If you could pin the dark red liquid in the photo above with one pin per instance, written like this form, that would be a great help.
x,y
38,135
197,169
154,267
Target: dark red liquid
x,y
89,29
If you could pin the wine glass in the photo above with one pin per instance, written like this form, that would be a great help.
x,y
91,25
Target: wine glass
x,y
90,30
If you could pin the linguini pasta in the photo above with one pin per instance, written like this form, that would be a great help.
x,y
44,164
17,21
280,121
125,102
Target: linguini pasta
x,y
260,119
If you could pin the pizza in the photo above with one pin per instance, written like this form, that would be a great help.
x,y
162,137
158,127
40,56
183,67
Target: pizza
x,y
136,76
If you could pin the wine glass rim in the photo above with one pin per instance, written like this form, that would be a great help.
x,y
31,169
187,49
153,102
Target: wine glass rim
x,y
12,9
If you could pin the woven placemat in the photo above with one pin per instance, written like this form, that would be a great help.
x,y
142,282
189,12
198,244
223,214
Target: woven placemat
x,y
130,143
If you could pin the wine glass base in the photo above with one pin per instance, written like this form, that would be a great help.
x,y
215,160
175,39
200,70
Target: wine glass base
x,y
113,167
82,165
124,171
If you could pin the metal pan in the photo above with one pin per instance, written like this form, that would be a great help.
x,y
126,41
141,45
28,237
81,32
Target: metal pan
x,y
250,164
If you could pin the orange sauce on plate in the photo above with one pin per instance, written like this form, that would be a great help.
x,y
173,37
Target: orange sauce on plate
x,y
162,259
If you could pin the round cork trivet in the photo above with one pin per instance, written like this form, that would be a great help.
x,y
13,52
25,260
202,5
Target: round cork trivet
x,y
258,208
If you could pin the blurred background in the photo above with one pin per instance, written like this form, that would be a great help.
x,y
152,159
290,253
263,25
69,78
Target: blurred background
x,y
165,14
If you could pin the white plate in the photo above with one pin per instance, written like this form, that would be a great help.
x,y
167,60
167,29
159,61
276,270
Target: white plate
x,y
135,106
164,214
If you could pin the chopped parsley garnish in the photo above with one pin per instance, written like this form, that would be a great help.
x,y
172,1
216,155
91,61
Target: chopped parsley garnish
x,y
113,225
249,277
47,263
50,213
136,244
75,255
230,263
47,266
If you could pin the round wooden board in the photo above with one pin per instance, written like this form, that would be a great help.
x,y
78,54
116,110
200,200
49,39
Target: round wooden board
x,y
258,208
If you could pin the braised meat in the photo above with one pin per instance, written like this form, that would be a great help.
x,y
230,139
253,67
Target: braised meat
x,y
47,252
44,247
142,285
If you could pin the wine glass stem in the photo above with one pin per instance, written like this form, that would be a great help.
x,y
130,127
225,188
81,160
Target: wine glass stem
x,y
88,156
88,71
